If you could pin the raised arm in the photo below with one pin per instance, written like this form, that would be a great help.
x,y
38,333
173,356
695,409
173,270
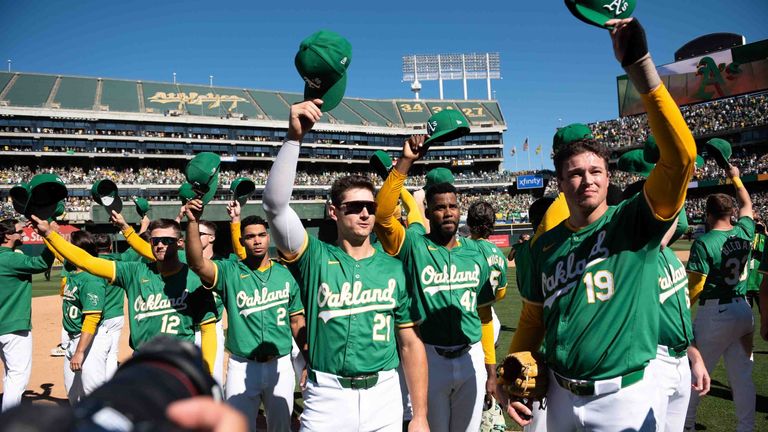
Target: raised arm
x,y
287,231
199,264
668,182
233,209
388,229
745,202
134,240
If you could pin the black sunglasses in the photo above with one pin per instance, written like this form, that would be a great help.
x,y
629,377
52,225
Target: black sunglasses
x,y
356,207
164,240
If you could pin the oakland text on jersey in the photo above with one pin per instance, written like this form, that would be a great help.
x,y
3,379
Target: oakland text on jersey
x,y
442,281
157,304
673,280
262,300
69,293
354,295
568,271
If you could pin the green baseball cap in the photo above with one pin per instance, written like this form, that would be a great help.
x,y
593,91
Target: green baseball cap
x,y
142,206
650,150
104,192
437,176
634,162
186,193
568,134
60,210
202,172
381,163
720,150
45,192
242,188
699,161
322,62
597,12
20,198
446,125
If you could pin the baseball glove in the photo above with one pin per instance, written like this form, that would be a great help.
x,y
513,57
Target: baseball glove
x,y
524,375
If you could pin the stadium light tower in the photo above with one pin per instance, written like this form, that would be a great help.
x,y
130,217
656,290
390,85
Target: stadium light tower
x,y
9,67
439,67
210,80
174,77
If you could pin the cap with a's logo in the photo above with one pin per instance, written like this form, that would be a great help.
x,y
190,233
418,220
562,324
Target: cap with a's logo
x,y
446,125
571,133
322,62
597,12
720,150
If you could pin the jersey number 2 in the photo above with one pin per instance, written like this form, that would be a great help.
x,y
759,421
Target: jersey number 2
x,y
170,324
599,286
382,325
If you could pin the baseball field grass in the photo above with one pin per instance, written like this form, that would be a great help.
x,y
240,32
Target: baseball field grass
x,y
716,412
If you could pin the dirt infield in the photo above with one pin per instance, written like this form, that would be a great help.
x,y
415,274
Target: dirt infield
x,y
46,385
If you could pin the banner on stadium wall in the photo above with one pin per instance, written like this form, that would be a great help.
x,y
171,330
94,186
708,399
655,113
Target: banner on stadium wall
x,y
530,182
31,237
722,74
500,240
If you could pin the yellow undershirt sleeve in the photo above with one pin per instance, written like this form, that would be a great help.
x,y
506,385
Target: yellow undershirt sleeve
x,y
486,338
208,344
138,244
409,202
96,266
234,231
555,215
695,285
530,329
90,322
390,232
667,184
54,251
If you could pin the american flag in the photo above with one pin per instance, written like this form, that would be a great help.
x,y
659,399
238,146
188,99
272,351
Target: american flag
x,y
525,144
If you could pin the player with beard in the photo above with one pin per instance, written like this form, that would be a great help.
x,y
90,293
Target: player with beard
x,y
16,270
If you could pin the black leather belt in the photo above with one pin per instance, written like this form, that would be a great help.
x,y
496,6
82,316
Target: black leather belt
x,y
453,353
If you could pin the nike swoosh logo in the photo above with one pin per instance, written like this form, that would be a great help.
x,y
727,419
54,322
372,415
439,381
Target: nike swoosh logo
x,y
721,311
431,248
546,248
144,280
243,276
332,262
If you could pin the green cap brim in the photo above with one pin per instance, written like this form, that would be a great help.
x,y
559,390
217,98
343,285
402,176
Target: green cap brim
x,y
44,198
719,155
242,189
699,161
381,163
20,198
448,135
572,7
212,187
331,98
104,193
186,193
142,206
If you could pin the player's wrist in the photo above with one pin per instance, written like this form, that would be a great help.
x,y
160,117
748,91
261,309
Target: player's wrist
x,y
737,183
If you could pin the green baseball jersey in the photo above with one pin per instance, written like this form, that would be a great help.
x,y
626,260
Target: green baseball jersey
x,y
599,292
755,278
115,296
352,308
450,284
497,262
16,270
675,330
171,304
523,267
722,256
83,293
259,306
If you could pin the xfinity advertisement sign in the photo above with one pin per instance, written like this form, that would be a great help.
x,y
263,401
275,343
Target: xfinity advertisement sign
x,y
530,182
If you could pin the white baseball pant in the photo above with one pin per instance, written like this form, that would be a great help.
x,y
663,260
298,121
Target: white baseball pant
x,y
330,407
539,420
114,327
94,369
250,383
630,408
218,364
297,360
16,354
673,384
456,389
724,330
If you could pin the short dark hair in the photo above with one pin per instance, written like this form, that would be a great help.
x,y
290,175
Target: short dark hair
x,y
145,235
343,184
537,210
439,189
7,227
102,241
252,220
164,224
574,148
84,240
719,205
210,225
480,218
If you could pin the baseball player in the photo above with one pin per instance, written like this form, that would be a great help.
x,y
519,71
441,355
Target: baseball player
x,y
115,297
264,310
16,270
755,278
452,278
594,283
355,300
85,340
163,296
717,271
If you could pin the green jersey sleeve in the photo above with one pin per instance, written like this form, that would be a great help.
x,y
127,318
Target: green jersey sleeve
x,y
295,306
127,272
697,261
92,294
22,263
747,225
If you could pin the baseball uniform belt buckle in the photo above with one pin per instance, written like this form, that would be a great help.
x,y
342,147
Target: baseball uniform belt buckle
x,y
577,387
452,353
359,382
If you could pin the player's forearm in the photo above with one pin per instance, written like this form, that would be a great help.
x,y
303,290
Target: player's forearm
x,y
389,231
204,268
742,195
530,329
486,334
88,331
53,251
414,359
82,259
668,182
695,285
299,332
208,344
237,247
411,207
286,229
138,244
